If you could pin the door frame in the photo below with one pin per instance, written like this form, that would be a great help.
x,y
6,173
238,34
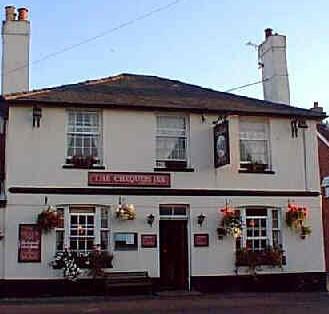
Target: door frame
x,y
188,239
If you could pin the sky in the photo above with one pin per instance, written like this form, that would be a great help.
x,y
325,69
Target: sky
x,y
201,42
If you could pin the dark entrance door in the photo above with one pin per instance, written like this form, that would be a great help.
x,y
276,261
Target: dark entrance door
x,y
173,254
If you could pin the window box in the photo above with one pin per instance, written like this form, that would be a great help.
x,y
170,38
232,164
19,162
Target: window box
x,y
254,167
175,164
247,257
82,162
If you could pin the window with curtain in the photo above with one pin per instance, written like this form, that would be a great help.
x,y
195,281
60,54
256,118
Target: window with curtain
x,y
254,141
84,135
171,141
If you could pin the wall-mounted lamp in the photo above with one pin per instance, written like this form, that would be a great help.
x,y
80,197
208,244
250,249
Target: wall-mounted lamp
x,y
37,114
150,219
201,219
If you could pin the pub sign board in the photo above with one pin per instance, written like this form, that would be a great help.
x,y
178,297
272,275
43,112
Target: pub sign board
x,y
29,244
139,179
221,144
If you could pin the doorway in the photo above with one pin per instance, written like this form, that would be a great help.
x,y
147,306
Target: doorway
x,y
173,255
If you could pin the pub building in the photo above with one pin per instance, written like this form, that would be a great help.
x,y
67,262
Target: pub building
x,y
181,186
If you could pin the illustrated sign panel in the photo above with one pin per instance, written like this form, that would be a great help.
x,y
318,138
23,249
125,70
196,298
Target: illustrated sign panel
x,y
149,240
29,246
201,239
221,144
142,179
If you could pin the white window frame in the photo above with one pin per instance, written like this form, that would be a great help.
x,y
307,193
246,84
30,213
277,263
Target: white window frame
x,y
186,136
98,228
247,137
99,133
173,214
269,225
82,238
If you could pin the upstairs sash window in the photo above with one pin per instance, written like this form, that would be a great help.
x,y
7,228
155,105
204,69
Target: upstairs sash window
x,y
171,141
254,141
84,134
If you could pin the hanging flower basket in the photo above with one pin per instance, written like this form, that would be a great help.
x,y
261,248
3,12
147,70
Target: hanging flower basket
x,y
231,223
48,219
126,212
296,217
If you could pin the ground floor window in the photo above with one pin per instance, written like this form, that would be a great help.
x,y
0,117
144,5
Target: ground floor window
x,y
262,228
80,228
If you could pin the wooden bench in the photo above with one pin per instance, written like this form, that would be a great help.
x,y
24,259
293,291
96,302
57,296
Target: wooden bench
x,y
120,282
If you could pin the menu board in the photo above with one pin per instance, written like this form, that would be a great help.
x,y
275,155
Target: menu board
x,y
29,245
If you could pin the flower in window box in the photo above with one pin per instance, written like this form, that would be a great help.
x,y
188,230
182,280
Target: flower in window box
x,y
254,166
73,262
67,261
254,259
81,161
48,219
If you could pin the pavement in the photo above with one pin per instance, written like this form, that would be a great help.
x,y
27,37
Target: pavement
x,y
231,303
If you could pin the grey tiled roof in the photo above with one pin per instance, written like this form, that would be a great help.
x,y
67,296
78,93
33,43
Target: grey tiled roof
x,y
133,91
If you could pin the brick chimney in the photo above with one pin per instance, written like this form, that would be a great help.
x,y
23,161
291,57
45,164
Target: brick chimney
x,y
15,53
272,58
316,107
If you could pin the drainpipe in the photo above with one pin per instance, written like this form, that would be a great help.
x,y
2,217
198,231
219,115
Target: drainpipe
x,y
305,161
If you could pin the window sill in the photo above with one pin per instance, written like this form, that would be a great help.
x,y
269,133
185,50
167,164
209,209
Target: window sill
x,y
241,170
174,169
71,166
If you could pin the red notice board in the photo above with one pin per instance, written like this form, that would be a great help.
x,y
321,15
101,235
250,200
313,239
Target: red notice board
x,y
149,240
29,243
201,239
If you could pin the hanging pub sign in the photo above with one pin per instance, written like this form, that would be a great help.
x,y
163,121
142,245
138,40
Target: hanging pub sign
x,y
141,179
29,246
221,144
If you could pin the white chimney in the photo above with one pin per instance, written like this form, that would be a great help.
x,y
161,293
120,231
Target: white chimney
x,y
15,51
272,58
